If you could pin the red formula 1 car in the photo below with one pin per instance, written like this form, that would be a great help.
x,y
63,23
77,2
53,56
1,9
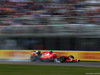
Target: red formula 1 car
x,y
50,56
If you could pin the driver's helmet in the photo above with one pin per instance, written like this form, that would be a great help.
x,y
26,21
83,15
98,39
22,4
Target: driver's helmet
x,y
38,52
51,52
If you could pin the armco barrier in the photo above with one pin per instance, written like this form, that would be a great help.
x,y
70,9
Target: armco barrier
x,y
25,54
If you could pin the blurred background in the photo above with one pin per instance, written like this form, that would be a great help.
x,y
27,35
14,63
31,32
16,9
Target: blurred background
x,y
50,25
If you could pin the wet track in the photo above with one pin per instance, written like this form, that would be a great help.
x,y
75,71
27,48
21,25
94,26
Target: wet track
x,y
82,64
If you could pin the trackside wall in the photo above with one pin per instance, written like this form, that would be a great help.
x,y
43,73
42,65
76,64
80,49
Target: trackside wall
x,y
25,54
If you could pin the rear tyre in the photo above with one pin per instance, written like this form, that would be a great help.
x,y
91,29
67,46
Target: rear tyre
x,y
62,59
33,58
71,56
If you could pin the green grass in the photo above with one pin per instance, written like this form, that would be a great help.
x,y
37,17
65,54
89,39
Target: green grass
x,y
45,70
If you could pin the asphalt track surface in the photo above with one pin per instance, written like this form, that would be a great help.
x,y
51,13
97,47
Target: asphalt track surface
x,y
82,64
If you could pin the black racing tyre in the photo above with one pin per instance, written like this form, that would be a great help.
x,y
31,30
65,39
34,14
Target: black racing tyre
x,y
33,58
39,53
71,56
78,60
62,59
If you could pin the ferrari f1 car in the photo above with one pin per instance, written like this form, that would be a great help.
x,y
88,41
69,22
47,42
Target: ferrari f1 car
x,y
50,56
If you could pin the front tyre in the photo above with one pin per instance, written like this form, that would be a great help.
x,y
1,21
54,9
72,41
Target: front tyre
x,y
62,59
33,58
78,60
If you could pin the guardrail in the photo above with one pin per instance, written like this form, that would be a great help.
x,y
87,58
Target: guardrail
x,y
36,29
